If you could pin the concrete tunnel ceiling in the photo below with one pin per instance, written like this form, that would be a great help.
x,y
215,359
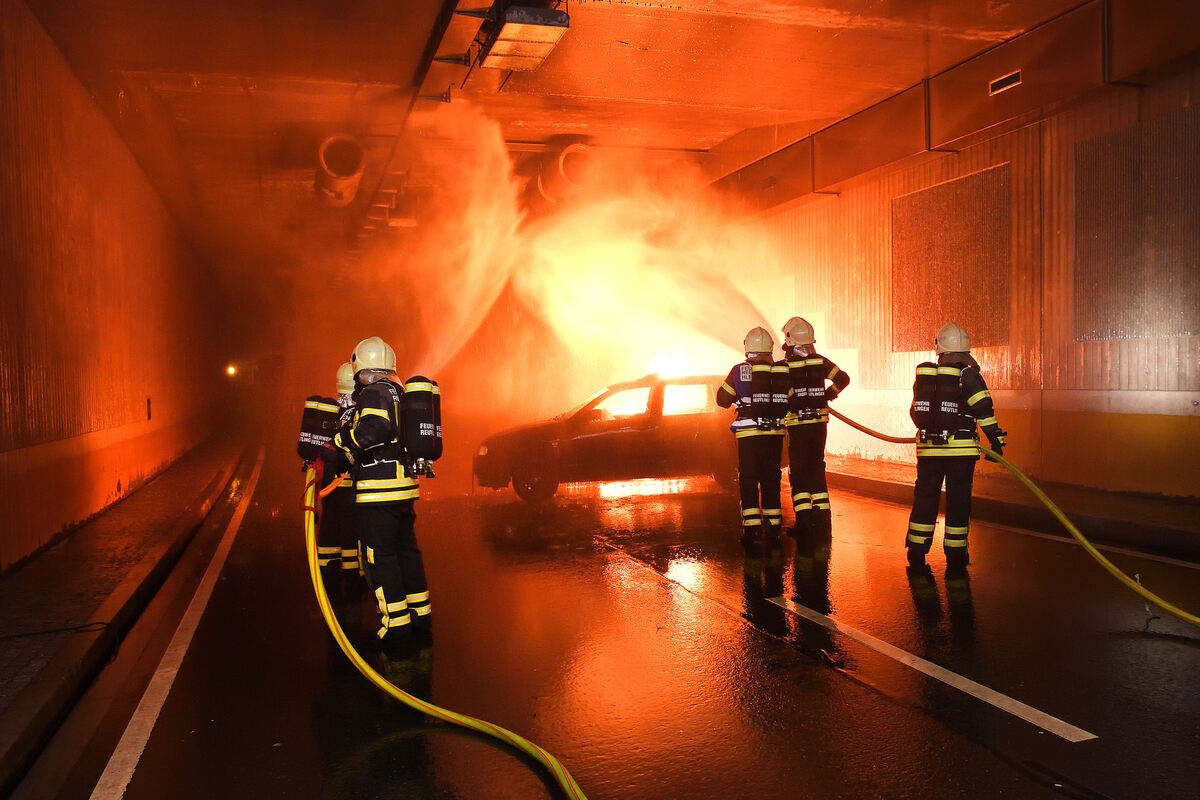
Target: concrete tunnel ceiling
x,y
224,101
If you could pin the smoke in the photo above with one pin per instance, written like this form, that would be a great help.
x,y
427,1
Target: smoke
x,y
519,315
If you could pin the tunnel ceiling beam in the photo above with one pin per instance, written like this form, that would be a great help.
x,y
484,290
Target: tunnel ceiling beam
x,y
1099,42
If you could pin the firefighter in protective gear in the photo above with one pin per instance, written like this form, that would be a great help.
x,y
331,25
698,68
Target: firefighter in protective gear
x,y
384,495
337,546
338,506
757,389
807,423
950,398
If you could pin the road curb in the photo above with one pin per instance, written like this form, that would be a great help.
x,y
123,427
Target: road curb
x,y
1141,536
31,718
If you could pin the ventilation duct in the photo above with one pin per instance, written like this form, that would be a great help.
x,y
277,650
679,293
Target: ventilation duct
x,y
340,162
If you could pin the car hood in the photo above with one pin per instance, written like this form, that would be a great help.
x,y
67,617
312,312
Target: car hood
x,y
534,431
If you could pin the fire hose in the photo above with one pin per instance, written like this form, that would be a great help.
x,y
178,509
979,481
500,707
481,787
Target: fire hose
x,y
309,506
1056,511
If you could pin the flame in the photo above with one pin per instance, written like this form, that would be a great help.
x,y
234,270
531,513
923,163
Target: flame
x,y
672,366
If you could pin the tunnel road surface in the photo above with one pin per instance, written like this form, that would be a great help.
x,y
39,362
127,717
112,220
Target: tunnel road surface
x,y
623,628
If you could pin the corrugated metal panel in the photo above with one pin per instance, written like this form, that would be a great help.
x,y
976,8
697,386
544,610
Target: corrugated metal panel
x,y
102,304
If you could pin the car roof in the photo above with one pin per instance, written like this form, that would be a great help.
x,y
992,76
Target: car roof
x,y
651,380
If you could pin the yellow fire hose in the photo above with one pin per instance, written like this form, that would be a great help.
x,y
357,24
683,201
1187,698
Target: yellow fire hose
x,y
560,773
1056,511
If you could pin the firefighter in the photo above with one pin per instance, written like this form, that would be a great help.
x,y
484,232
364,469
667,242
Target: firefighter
x,y
949,399
338,506
384,494
807,424
322,418
757,389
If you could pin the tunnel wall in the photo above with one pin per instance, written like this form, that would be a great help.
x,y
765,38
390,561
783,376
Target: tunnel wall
x,y
1091,341
105,318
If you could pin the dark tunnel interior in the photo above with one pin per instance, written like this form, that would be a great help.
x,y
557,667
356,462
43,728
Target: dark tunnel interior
x,y
204,206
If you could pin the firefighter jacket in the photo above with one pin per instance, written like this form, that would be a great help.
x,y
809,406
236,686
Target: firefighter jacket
x,y
757,389
808,398
319,423
949,399
371,440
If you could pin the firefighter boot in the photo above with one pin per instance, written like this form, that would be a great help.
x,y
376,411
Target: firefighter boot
x,y
916,556
957,559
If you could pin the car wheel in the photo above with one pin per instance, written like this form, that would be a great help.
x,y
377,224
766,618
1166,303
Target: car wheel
x,y
535,482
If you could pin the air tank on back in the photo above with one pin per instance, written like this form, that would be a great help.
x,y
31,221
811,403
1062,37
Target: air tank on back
x,y
421,418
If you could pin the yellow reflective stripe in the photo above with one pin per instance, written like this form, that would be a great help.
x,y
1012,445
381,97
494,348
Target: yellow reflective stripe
x,y
388,483
375,412
744,432
423,611
832,372
418,386
390,622
387,497
380,600
354,438
417,598
762,367
321,406
918,539
982,393
800,495
401,605
814,362
349,565
747,511
325,551
727,387
781,368
746,523
773,512
371,556
954,542
988,421
921,526
963,529
927,370
949,371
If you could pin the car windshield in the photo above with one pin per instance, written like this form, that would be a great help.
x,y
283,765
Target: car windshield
x,y
576,409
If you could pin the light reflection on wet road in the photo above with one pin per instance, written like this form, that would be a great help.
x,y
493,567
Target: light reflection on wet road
x,y
628,632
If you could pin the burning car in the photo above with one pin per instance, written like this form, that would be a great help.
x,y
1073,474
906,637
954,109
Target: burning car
x,y
652,427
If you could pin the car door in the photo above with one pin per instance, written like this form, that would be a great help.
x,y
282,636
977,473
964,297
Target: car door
x,y
677,442
607,440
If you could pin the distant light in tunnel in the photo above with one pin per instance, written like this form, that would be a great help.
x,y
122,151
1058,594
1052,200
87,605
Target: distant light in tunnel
x,y
231,370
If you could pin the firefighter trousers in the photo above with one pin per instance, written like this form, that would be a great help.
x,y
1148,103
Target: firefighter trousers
x,y
759,459
958,472
806,467
394,568
337,538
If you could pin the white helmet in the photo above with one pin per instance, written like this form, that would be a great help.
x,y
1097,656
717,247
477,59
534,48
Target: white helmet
x,y
758,340
345,378
373,353
796,331
952,338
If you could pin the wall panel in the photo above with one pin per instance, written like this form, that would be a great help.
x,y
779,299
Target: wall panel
x,y
843,270
104,304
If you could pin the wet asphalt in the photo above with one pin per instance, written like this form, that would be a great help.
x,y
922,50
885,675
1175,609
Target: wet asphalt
x,y
625,629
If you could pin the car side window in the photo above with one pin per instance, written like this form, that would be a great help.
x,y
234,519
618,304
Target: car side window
x,y
625,403
687,398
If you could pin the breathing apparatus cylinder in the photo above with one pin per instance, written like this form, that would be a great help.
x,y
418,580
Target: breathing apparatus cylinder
x,y
421,419
318,425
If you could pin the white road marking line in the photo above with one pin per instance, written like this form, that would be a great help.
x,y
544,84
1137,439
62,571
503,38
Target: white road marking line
x,y
1001,701
119,771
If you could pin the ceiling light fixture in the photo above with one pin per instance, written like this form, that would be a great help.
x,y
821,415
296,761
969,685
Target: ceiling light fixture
x,y
523,38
